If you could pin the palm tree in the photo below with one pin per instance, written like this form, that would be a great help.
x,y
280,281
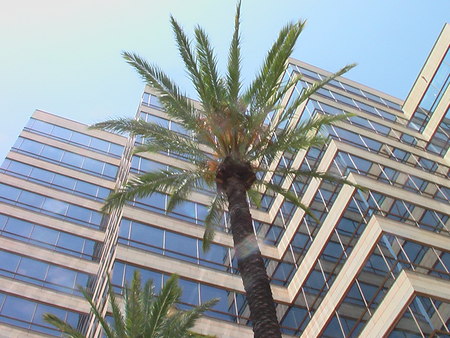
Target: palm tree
x,y
146,314
232,124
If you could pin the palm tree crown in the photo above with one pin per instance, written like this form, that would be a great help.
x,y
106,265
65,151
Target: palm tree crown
x,y
232,141
145,315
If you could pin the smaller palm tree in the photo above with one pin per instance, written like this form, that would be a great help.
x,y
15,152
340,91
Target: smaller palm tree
x,y
145,313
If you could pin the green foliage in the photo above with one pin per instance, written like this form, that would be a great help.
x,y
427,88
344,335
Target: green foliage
x,y
232,122
144,314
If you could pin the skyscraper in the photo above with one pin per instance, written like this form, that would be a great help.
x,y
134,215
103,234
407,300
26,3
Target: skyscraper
x,y
377,263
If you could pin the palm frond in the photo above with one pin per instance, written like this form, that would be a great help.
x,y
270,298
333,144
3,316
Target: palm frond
x,y
178,324
307,92
167,298
234,61
207,64
290,196
182,187
107,330
119,322
134,316
186,53
62,326
176,104
213,217
166,181
266,83
255,197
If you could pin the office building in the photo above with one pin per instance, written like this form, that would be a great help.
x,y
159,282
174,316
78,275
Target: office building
x,y
377,264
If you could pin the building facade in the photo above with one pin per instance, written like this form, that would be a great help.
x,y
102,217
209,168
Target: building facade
x,y
377,264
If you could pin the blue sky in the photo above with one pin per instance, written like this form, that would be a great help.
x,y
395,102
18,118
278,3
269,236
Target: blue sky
x,y
64,56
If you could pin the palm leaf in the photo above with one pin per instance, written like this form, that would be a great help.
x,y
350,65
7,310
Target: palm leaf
x,y
291,197
179,323
213,217
167,298
176,104
234,61
207,64
62,326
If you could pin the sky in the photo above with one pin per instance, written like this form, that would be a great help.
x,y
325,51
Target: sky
x,y
64,57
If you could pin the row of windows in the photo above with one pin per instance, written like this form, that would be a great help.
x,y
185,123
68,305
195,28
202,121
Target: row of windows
x,y
348,88
440,141
385,150
52,239
168,124
66,158
314,106
390,257
75,137
187,210
171,244
432,96
417,319
232,306
409,213
50,206
348,162
40,273
54,180
28,314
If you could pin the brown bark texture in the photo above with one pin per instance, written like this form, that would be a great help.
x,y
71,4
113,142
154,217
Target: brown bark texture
x,y
250,262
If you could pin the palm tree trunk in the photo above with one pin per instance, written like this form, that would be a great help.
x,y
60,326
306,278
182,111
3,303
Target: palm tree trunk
x,y
250,263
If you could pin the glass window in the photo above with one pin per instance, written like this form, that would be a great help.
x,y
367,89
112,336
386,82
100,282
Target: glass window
x,y
45,235
80,139
190,292
72,159
177,243
19,227
32,268
18,308
52,153
61,132
61,277
184,210
147,234
8,261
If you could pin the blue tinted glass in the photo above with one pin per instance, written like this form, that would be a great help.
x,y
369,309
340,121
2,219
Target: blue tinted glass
x,y
181,244
110,170
19,227
147,234
18,308
190,292
52,153
61,132
45,235
65,182
20,168
86,188
72,159
9,192
100,144
31,146
42,175
32,199
93,165
80,139
32,268
60,276
55,206
9,261
70,242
